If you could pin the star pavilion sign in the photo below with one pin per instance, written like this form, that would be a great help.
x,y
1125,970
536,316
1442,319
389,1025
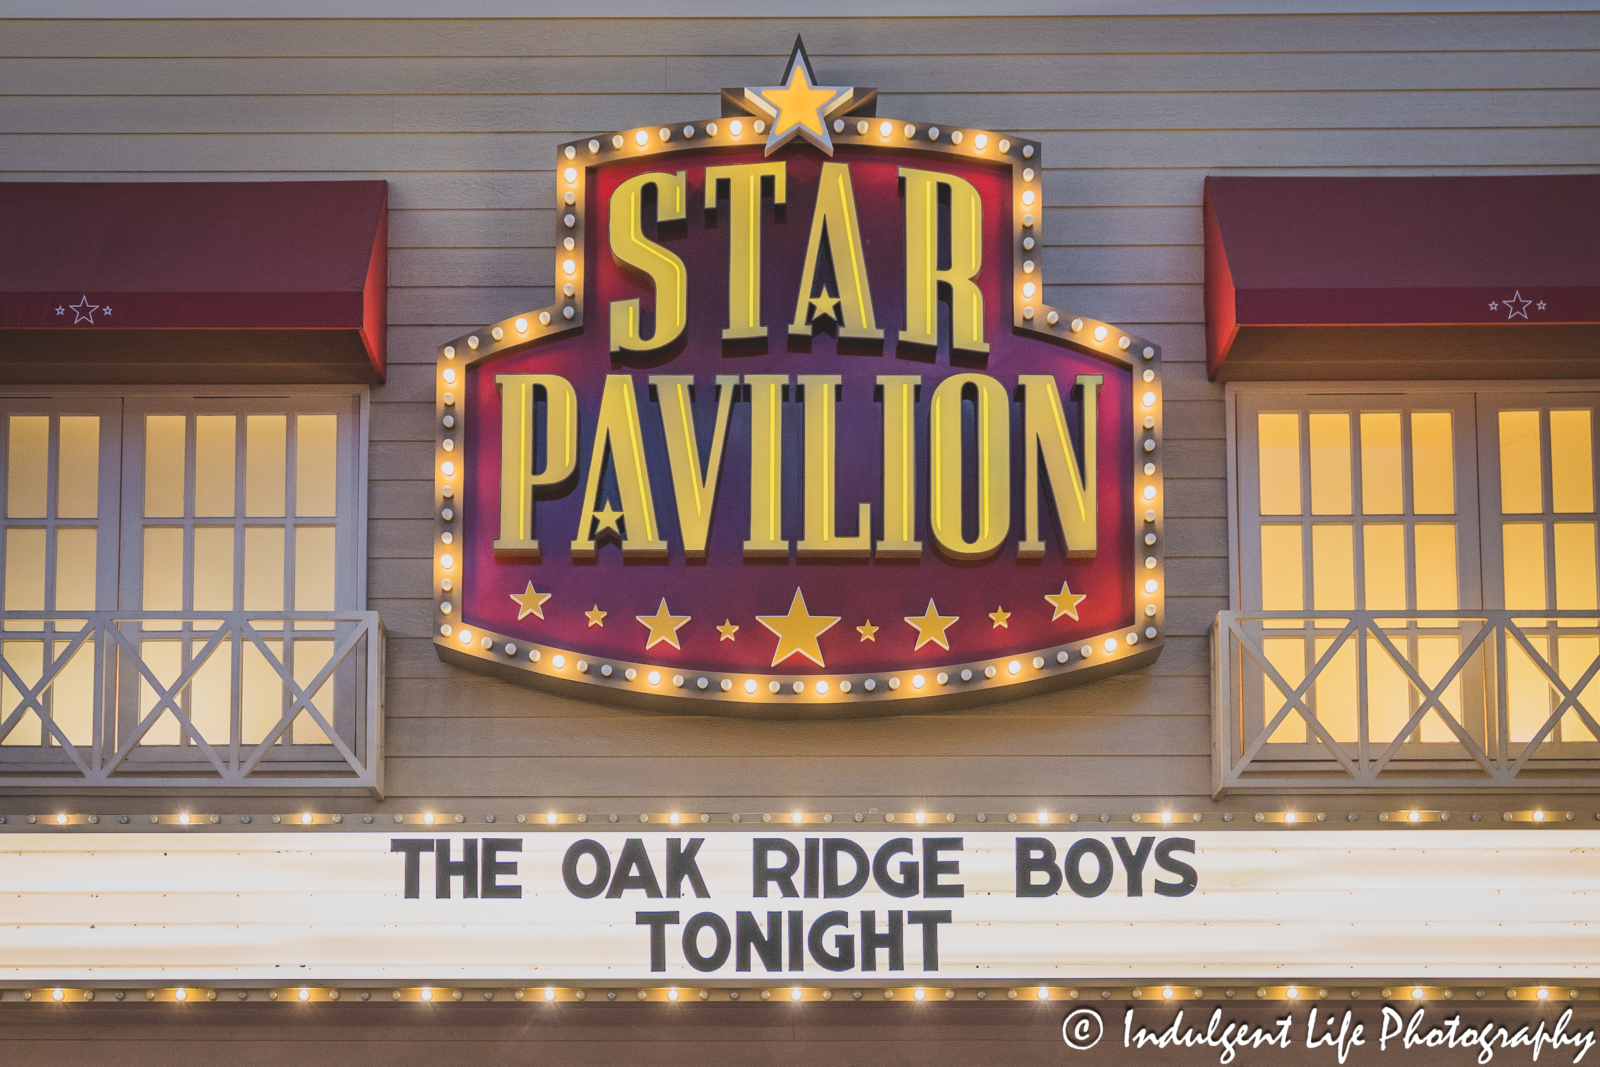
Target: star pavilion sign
x,y
800,428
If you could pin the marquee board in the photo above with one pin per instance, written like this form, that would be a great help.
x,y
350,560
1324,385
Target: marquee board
x,y
800,429
808,905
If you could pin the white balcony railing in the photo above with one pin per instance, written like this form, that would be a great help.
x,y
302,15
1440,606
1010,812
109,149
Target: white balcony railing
x,y
1435,700
290,700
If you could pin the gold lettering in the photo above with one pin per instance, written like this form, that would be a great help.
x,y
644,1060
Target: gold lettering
x,y
694,490
923,277
899,467
1076,498
631,248
945,463
821,533
617,429
766,466
744,239
835,214
518,444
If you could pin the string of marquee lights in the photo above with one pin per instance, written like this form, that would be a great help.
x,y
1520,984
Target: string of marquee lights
x,y
1400,818
1030,314
557,994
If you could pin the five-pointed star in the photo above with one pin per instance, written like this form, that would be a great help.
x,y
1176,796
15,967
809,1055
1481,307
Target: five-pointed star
x,y
530,602
799,105
1001,617
106,311
60,310
798,631
727,630
930,626
868,632
1516,305
664,626
1066,602
608,517
83,311
1540,306
825,306
596,616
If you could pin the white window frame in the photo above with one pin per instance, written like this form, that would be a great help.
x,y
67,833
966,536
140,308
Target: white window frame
x,y
1565,766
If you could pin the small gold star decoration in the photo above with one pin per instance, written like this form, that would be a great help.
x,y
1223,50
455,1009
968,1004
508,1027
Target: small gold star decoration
x,y
596,616
825,306
530,602
799,106
608,518
868,632
1066,602
798,631
1001,617
931,626
727,630
664,626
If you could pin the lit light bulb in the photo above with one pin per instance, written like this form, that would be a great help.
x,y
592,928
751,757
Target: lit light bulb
x,y
1290,817
305,818
1166,817
1414,816
428,818
427,994
672,994
180,994
61,819
1014,666
1538,816
183,818
1166,992
1417,993
305,994
917,681
549,993
922,816
57,994
750,685
795,994
1292,993
1543,994
641,138
655,677
919,994
569,268
673,818
1044,992
551,818
797,817
1044,817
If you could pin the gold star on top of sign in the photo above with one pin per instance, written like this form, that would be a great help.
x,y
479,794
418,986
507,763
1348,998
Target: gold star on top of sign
x,y
530,602
930,626
799,106
1066,602
868,632
596,616
727,630
1001,617
664,626
798,631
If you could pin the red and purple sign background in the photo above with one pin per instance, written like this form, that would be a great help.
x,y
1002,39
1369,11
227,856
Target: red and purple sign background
x,y
726,586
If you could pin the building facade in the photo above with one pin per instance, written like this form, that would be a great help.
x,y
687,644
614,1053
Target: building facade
x,y
292,764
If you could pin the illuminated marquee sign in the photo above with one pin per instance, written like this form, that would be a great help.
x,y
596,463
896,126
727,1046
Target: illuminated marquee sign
x,y
799,428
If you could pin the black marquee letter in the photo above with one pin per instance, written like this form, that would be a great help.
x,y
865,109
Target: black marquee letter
x,y
1036,855
706,920
1188,879
1074,862
602,869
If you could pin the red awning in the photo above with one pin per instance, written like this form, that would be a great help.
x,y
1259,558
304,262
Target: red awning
x,y
193,282
1469,277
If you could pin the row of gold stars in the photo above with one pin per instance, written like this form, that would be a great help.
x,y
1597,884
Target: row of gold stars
x,y
799,631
